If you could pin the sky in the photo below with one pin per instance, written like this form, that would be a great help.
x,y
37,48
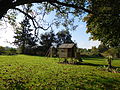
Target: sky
x,y
82,38
79,35
6,35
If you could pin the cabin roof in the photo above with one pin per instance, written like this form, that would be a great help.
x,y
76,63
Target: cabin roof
x,y
67,45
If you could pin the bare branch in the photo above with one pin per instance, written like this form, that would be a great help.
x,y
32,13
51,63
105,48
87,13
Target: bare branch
x,y
35,23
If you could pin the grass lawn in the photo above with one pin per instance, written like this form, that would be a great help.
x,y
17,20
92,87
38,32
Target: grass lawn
x,y
22,72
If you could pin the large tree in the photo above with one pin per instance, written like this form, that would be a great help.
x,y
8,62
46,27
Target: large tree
x,y
5,5
105,24
63,9
103,15
23,34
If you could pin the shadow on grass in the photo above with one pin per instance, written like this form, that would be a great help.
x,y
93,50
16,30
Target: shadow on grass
x,y
104,83
90,64
97,59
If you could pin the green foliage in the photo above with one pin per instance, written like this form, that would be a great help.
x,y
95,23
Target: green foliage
x,y
63,36
94,52
102,20
23,33
2,50
47,39
103,25
102,48
7,51
23,36
82,50
50,38
10,51
33,72
111,52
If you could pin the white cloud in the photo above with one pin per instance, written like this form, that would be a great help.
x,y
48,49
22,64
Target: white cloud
x,y
6,35
88,44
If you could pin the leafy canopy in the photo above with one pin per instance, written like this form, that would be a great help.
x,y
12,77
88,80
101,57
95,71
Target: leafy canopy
x,y
104,26
103,16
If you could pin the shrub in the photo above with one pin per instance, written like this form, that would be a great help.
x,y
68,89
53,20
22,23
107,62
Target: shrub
x,y
2,50
111,52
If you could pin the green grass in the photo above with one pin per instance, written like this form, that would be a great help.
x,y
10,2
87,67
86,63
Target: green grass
x,y
22,72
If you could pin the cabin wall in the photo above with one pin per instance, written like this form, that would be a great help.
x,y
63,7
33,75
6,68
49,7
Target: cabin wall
x,y
70,51
63,53
67,52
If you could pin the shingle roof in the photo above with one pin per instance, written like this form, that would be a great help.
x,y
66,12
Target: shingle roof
x,y
66,45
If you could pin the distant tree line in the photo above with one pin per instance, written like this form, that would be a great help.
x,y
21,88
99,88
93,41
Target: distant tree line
x,y
8,51
101,51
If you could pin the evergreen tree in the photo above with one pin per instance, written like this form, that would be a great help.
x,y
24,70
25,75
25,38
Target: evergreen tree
x,y
23,34
47,39
63,36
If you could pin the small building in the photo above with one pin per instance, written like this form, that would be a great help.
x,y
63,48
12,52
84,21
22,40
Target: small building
x,y
67,50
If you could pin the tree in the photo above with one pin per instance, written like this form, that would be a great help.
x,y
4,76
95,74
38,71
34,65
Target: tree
x,y
102,48
75,7
10,51
63,36
104,26
111,52
102,20
63,9
24,37
47,39
2,50
95,52
79,5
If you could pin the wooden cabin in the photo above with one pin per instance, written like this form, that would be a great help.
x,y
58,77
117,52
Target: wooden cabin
x,y
67,50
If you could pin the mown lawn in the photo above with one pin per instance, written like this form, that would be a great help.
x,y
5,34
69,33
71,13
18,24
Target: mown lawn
x,y
22,72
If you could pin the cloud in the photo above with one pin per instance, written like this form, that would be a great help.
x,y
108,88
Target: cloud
x,y
88,44
6,35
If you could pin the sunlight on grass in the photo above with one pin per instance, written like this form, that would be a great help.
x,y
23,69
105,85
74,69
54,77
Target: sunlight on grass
x,y
34,72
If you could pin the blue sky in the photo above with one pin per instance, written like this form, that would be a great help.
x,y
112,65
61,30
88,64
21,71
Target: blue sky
x,y
79,35
82,38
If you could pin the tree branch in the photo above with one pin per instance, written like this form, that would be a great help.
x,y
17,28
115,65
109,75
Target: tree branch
x,y
33,20
5,5
73,6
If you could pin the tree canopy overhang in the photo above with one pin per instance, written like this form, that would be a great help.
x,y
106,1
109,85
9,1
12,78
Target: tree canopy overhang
x,y
5,5
103,16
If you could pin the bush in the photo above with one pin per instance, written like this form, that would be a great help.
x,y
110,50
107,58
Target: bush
x,y
2,50
7,51
11,51
111,52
